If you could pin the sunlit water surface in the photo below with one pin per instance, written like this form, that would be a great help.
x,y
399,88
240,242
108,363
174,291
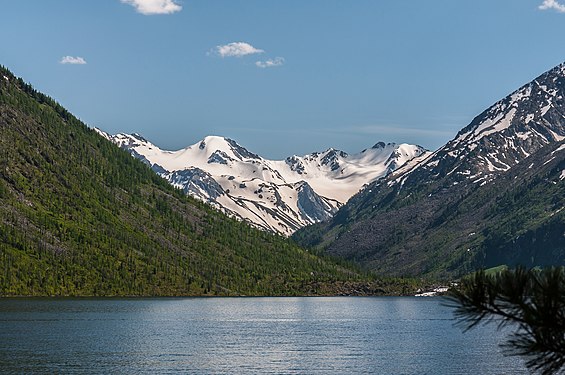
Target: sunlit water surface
x,y
245,336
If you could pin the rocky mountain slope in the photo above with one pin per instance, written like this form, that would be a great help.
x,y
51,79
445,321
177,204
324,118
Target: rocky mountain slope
x,y
80,216
494,194
275,195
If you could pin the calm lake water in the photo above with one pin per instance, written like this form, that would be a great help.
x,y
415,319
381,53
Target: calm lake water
x,y
346,335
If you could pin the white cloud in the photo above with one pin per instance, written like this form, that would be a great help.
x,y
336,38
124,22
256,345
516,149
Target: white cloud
x,y
270,63
552,4
149,7
236,49
72,60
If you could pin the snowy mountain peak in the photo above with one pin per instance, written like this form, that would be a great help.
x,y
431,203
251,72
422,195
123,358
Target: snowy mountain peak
x,y
379,145
216,148
277,195
532,105
500,137
211,144
139,137
131,140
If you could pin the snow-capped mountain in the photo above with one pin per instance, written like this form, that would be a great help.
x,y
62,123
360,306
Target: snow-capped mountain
x,y
502,136
470,203
277,195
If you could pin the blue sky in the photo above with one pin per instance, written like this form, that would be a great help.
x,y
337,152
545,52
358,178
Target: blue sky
x,y
281,77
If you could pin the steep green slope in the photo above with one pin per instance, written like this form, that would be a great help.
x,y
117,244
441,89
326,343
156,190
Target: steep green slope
x,y
79,216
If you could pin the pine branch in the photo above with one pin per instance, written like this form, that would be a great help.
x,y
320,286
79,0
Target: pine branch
x,y
531,300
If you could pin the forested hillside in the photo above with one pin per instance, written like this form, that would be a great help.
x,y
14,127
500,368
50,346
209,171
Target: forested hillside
x,y
79,216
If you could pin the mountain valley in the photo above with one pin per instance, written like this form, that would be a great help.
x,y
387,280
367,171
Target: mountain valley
x,y
81,216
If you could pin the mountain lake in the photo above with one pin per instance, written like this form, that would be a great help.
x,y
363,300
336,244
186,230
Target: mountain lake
x,y
320,335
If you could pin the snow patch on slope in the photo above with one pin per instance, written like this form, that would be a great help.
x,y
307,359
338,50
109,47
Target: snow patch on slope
x,y
502,136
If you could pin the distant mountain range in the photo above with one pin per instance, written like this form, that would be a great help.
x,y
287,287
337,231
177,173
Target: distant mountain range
x,y
276,195
493,195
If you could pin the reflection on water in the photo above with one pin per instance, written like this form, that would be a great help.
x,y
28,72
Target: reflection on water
x,y
245,335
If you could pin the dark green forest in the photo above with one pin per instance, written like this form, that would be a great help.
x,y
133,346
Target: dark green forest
x,y
81,217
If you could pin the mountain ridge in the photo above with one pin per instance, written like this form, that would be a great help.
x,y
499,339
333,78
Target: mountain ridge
x,y
401,224
276,195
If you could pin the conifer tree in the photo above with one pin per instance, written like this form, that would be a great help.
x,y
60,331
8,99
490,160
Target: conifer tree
x,y
533,301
